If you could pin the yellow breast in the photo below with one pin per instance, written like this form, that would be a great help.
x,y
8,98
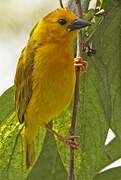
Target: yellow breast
x,y
53,83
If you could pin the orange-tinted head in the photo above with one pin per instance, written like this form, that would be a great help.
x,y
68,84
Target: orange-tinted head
x,y
58,26
62,13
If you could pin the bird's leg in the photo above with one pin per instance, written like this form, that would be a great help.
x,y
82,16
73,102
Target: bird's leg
x,y
72,141
80,64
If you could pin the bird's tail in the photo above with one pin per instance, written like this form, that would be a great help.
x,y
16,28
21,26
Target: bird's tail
x,y
30,147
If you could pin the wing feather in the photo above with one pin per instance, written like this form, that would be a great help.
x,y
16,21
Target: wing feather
x,y
23,80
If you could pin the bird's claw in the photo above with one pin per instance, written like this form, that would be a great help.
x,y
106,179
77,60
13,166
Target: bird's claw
x,y
72,141
80,64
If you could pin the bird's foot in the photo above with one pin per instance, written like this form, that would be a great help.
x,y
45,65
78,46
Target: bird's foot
x,y
80,64
72,141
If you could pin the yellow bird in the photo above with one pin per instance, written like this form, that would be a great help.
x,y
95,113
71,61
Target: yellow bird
x,y
45,75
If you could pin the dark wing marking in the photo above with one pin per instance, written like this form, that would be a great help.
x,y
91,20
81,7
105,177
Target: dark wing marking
x,y
23,80
32,31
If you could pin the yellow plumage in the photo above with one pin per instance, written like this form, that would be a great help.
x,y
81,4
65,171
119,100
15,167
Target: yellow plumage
x,y
45,75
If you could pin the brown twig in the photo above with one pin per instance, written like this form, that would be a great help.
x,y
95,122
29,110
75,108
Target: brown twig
x,y
76,95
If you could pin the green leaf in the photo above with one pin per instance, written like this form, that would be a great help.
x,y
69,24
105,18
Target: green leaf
x,y
110,153
111,174
107,4
6,104
103,77
11,158
107,41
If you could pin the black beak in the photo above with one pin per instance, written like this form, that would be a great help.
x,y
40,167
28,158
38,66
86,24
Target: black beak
x,y
78,24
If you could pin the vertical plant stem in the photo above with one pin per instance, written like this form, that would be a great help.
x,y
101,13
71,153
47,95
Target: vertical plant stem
x,y
61,3
76,96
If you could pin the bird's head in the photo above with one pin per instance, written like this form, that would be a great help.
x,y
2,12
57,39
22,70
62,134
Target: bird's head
x,y
59,26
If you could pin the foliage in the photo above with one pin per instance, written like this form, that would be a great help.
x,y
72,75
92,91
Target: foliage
x,y
100,102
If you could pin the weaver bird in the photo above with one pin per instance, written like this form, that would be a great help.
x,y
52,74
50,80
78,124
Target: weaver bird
x,y
45,75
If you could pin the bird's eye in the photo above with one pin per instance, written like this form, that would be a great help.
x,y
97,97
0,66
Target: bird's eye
x,y
62,21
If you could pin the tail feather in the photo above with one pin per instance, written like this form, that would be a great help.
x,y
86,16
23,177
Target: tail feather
x,y
30,145
30,154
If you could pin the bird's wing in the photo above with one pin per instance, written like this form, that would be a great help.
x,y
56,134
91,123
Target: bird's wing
x,y
23,80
